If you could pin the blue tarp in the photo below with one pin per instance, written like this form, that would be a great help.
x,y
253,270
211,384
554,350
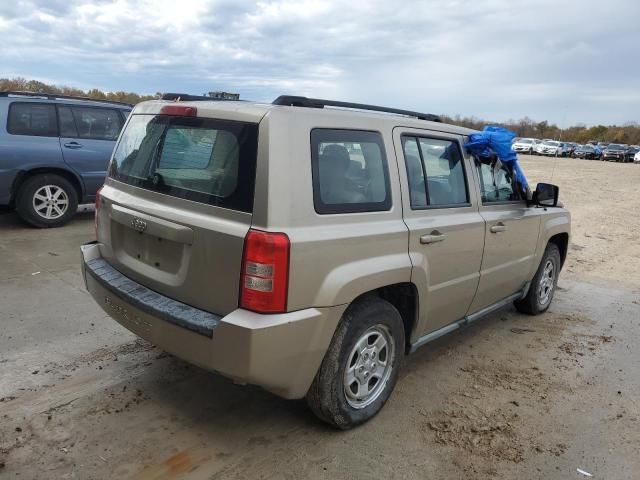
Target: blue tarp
x,y
497,141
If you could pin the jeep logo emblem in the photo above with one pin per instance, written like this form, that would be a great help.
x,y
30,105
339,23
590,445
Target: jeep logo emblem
x,y
138,224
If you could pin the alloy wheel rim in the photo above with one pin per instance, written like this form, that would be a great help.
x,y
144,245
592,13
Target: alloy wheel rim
x,y
369,367
50,202
547,281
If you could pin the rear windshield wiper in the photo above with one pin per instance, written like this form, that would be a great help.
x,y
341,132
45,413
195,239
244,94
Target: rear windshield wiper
x,y
155,182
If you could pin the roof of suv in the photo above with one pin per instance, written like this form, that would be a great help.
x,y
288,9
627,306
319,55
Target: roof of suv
x,y
254,112
39,97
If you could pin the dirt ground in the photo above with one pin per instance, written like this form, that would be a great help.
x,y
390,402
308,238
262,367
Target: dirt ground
x,y
510,397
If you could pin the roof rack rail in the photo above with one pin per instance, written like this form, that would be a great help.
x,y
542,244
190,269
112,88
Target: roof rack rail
x,y
186,97
296,101
53,96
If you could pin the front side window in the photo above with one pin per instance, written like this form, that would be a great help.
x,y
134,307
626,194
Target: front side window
x,y
349,170
496,184
30,118
97,123
205,160
435,171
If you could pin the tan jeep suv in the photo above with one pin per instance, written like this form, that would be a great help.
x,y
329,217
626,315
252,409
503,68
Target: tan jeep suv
x,y
307,246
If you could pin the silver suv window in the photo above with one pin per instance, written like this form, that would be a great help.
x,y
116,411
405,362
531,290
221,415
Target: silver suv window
x,y
435,171
205,160
89,123
349,171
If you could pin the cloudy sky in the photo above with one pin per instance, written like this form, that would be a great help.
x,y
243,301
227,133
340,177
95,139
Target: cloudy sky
x,y
567,61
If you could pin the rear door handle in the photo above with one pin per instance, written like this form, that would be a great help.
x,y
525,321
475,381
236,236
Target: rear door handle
x,y
72,145
434,237
499,227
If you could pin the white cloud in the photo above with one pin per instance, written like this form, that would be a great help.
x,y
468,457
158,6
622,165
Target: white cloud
x,y
496,59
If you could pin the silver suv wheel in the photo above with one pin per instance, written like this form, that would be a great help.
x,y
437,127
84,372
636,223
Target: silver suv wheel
x,y
547,283
50,202
361,365
369,366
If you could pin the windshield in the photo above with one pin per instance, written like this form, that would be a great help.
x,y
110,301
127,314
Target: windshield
x,y
551,144
525,140
616,146
205,160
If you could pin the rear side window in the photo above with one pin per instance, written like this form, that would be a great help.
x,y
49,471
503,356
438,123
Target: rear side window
x,y
36,119
349,170
97,123
205,160
435,171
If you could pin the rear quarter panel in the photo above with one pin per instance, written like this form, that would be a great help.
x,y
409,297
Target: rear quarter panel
x,y
19,153
334,257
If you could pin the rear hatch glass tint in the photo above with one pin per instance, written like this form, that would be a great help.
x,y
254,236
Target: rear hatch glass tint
x,y
206,160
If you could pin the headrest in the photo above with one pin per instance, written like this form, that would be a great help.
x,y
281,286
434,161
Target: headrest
x,y
337,155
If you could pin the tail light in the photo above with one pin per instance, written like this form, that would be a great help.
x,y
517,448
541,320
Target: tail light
x,y
264,278
95,218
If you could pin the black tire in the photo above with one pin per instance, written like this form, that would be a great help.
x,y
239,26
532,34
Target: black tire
x,y
25,201
327,397
533,303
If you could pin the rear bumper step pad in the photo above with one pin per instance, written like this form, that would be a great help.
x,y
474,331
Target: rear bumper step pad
x,y
151,302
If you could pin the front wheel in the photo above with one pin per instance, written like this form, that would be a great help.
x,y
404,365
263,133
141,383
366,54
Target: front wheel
x,y
543,285
360,368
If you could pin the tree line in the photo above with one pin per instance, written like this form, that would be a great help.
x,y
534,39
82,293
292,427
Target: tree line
x,y
24,85
628,133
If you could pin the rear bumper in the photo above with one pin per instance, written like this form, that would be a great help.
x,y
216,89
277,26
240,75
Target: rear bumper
x,y
280,353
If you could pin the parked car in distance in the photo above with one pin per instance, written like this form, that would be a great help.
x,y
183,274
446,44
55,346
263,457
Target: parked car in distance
x,y
587,151
570,147
632,151
536,142
602,145
238,242
54,152
523,145
551,148
636,157
616,152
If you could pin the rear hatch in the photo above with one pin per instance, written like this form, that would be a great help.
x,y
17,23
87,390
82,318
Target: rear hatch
x,y
177,204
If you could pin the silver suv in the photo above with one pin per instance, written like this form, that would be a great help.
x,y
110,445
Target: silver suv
x,y
307,248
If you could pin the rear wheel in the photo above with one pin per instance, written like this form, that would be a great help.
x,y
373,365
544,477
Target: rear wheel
x,y
361,366
543,285
46,200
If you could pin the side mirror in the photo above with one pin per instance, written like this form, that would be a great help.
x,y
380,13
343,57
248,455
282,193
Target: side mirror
x,y
546,195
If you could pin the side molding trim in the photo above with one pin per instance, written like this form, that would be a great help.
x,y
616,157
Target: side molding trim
x,y
468,319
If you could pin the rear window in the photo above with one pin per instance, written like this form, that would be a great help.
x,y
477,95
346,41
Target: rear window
x,y
36,119
205,160
349,169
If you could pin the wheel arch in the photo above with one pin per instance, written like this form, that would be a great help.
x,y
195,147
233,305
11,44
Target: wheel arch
x,y
404,297
24,175
561,240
